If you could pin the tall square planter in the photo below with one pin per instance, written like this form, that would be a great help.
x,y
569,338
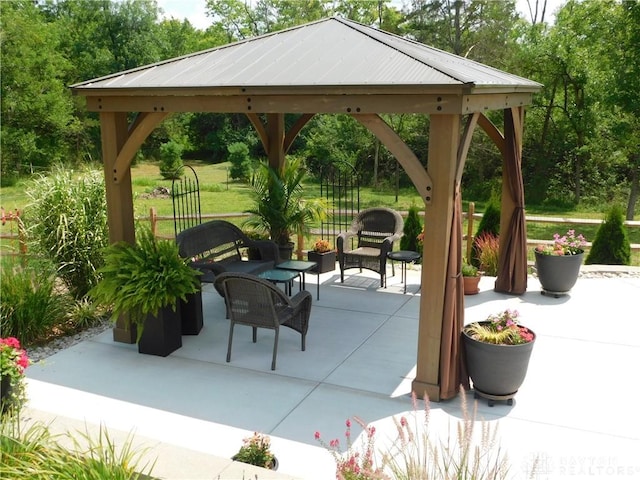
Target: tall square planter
x,y
326,262
162,333
191,314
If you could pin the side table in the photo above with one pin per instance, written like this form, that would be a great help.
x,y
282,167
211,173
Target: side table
x,y
404,256
301,267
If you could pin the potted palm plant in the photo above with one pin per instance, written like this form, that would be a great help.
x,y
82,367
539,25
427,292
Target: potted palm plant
x,y
280,210
497,352
145,281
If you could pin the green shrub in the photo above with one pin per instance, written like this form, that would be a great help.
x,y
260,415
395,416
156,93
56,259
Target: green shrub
x,y
240,161
412,228
29,303
171,165
611,245
67,222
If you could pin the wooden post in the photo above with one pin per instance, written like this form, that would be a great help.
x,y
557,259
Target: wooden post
x,y
153,219
444,133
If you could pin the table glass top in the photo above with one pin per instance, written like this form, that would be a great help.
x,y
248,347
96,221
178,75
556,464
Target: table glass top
x,y
297,265
277,275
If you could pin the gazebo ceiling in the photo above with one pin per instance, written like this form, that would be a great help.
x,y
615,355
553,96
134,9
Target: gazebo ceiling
x,y
310,69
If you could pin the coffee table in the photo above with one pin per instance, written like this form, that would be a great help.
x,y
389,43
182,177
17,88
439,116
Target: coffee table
x,y
301,267
277,275
404,256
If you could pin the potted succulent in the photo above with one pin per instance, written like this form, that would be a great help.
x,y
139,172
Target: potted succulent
x,y
558,263
256,450
324,256
279,207
146,281
471,278
497,352
13,362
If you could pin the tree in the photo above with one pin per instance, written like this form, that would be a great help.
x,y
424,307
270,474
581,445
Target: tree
x,y
171,165
611,245
412,228
240,161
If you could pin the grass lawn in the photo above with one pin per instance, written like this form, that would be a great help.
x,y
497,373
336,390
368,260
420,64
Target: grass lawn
x,y
219,194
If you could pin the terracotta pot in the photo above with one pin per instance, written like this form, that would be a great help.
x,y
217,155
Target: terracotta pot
x,y
471,285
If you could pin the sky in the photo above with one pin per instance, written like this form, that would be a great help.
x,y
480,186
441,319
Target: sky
x,y
194,10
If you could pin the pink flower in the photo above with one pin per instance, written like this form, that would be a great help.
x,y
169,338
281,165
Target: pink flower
x,y
317,435
348,423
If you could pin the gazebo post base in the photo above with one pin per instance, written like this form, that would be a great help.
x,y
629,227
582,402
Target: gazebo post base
x,y
421,388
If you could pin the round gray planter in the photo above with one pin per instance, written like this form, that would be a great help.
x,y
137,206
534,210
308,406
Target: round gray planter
x,y
558,273
497,371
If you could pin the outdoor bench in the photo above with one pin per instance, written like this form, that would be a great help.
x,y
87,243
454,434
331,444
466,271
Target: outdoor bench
x,y
217,246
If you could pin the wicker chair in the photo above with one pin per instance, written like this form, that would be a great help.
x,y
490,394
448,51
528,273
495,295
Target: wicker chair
x,y
260,304
368,241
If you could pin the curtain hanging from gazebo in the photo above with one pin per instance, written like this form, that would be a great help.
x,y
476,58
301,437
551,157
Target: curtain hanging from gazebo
x,y
512,267
453,371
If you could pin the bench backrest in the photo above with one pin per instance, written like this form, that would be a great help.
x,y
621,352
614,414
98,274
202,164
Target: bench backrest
x,y
217,240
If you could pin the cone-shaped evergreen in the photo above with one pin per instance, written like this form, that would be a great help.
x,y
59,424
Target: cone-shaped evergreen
x,y
412,228
611,245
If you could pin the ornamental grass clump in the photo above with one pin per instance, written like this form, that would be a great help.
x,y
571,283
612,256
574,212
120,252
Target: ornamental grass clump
x,y
500,329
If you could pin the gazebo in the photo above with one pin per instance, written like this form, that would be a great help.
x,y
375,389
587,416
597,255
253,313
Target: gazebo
x,y
340,66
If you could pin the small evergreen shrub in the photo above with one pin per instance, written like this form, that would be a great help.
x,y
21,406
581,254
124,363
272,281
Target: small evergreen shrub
x,y
412,228
171,165
240,161
67,223
611,245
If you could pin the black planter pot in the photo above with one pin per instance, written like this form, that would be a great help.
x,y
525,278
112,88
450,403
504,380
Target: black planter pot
x,y
326,261
497,371
286,251
162,334
191,314
5,394
557,273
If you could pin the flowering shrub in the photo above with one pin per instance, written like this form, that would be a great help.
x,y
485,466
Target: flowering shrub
x,y
355,464
569,244
13,362
256,450
420,239
500,329
321,246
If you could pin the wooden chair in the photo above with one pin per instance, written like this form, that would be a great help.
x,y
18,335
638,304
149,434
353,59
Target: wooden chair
x,y
367,242
258,303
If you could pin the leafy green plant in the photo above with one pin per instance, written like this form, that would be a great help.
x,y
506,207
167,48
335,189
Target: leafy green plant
x,y
34,453
611,245
143,278
280,208
412,228
67,221
240,161
256,450
30,302
469,270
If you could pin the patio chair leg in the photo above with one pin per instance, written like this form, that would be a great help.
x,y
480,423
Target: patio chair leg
x,y
304,337
255,332
230,340
275,349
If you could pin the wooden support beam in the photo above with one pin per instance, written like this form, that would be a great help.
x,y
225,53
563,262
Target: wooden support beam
x,y
119,195
444,137
275,133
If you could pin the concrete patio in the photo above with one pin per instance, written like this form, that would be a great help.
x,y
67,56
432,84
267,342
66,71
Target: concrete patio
x,y
576,413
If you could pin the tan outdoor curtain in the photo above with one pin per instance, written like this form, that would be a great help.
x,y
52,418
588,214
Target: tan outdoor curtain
x,y
512,265
453,371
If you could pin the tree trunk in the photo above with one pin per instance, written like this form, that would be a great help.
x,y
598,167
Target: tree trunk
x,y
635,185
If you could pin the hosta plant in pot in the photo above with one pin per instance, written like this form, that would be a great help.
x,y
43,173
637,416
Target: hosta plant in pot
x,y
256,450
145,281
471,278
497,352
558,263
13,362
322,253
